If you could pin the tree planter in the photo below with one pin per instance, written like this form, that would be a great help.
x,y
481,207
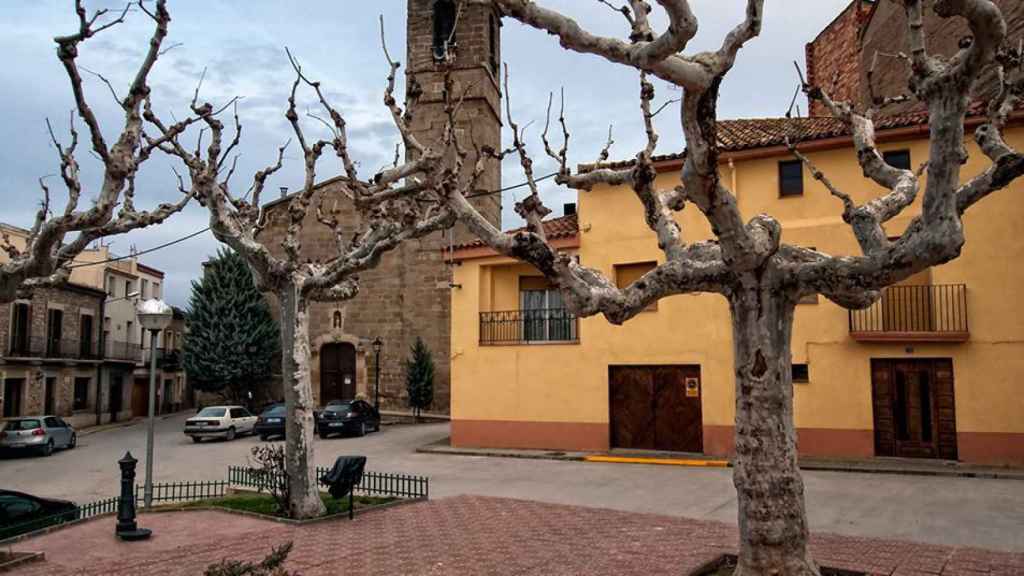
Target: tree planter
x,y
726,566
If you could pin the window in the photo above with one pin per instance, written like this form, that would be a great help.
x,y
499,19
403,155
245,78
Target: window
x,y
144,292
444,28
493,44
110,285
127,288
81,393
54,331
801,375
128,330
544,316
898,159
20,332
791,178
626,274
156,290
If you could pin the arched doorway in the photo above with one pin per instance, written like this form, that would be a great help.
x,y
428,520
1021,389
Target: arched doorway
x,y
337,372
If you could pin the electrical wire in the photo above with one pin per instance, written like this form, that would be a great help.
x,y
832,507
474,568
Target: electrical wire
x,y
207,229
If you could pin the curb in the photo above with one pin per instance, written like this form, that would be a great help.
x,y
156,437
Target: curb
x,y
137,420
26,558
443,447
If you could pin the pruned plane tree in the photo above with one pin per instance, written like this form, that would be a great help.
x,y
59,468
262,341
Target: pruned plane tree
x,y
746,262
58,235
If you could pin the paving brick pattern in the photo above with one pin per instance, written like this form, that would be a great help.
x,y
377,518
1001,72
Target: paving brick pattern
x,y
469,535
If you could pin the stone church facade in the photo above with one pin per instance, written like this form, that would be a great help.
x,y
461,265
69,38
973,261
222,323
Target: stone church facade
x,y
408,294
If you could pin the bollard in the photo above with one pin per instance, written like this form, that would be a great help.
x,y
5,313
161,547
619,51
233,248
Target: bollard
x,y
127,529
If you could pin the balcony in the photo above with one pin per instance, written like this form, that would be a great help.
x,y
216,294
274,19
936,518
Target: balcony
x,y
522,327
53,349
168,360
932,313
123,352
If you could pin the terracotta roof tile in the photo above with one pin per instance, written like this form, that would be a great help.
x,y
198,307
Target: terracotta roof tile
x,y
750,133
555,228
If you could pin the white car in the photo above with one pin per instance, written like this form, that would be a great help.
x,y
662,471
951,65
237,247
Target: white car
x,y
220,421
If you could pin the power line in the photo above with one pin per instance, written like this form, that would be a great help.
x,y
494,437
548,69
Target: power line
x,y
207,229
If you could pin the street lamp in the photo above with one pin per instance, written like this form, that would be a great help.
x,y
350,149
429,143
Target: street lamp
x,y
155,316
377,345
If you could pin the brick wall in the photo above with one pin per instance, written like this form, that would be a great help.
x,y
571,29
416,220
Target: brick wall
x,y
886,33
832,57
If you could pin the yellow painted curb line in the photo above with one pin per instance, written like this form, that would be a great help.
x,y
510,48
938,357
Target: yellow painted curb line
x,y
659,461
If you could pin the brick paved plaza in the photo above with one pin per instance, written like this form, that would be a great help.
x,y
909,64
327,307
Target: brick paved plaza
x,y
467,535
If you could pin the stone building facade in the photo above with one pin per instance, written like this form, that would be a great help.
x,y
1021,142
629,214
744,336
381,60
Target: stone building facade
x,y
408,295
49,354
840,58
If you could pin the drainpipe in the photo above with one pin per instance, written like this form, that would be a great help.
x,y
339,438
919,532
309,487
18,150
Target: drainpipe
x,y
732,168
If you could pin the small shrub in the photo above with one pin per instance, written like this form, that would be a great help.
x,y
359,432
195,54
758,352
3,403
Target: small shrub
x,y
269,467
272,565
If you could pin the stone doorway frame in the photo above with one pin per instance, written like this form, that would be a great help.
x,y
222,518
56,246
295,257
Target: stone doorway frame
x,y
361,346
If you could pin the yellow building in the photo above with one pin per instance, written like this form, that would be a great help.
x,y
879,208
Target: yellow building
x,y
932,370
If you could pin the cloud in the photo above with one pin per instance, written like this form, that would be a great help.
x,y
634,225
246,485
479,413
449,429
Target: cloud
x,y
241,44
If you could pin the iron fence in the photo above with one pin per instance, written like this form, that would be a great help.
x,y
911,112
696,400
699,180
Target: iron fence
x,y
100,507
184,491
55,348
372,484
528,326
940,308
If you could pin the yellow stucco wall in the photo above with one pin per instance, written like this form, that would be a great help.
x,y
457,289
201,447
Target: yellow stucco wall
x,y
568,383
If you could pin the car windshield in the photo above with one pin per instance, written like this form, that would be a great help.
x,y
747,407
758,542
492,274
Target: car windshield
x,y
339,408
13,425
274,411
212,412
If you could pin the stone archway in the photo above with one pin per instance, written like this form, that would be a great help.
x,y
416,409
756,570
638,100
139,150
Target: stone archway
x,y
335,356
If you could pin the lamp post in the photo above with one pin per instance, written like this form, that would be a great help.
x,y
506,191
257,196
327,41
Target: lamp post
x,y
377,345
155,316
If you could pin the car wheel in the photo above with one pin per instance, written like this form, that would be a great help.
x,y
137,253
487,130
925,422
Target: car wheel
x,y
376,427
73,442
362,428
197,439
48,449
230,435
264,437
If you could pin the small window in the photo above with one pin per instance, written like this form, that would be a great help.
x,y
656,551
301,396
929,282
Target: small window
x,y
626,274
444,28
898,159
144,291
791,178
801,375
156,290
81,394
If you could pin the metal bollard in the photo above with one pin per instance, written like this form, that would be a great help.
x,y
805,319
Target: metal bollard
x,y
127,529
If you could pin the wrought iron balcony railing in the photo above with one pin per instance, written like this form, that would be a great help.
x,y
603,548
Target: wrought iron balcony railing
x,y
914,313
528,327
53,348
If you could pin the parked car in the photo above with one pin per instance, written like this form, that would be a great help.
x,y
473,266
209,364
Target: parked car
x,y
21,513
355,417
271,422
41,434
220,421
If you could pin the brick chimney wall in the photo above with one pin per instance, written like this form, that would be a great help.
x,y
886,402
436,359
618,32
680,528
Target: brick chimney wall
x,y
833,60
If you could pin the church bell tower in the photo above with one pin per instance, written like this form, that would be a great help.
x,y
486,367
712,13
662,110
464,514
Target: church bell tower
x,y
468,37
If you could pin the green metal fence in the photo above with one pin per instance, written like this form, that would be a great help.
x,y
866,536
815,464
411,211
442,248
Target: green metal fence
x,y
184,491
372,484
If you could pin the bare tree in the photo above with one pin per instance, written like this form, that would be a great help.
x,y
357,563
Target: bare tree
x,y
407,200
761,277
47,256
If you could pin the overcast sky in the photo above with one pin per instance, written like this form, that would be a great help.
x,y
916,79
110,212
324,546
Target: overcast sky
x,y
241,43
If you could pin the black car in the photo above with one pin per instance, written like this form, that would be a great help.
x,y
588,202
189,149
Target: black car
x,y
22,513
355,417
271,422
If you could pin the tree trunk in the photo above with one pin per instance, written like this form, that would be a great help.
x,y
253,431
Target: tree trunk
x,y
304,495
769,489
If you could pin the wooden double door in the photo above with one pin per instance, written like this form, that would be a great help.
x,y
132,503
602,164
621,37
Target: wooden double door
x,y
656,408
914,408
337,372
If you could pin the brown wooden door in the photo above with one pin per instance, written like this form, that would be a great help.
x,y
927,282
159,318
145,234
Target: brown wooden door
x,y
116,395
337,372
12,396
914,410
140,398
651,409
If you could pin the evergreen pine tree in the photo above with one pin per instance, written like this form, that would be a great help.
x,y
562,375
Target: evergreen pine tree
x,y
233,341
419,377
